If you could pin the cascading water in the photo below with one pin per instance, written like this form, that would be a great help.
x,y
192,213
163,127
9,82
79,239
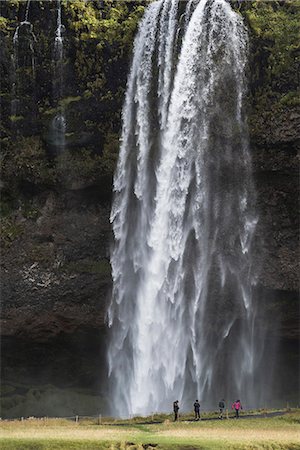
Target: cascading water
x,y
58,125
23,55
182,314
27,10
59,50
24,31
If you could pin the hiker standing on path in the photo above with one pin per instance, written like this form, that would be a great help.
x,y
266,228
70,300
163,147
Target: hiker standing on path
x,y
176,409
221,407
237,406
197,410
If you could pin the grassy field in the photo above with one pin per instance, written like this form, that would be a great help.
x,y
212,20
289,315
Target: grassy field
x,y
278,433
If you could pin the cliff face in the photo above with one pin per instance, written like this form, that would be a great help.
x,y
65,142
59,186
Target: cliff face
x,y
56,189
275,162
274,134
60,140
57,277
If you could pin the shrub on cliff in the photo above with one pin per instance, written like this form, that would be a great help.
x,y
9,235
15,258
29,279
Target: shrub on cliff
x,y
25,160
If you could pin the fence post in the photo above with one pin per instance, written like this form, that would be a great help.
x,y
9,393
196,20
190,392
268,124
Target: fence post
x,y
76,419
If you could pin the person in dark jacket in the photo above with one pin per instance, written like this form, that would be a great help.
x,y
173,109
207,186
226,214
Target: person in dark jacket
x,y
176,409
197,410
221,407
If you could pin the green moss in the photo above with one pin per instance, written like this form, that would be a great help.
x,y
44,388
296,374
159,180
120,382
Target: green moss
x,y
290,99
25,160
275,28
68,100
16,118
273,62
15,2
115,22
3,24
49,111
10,231
103,37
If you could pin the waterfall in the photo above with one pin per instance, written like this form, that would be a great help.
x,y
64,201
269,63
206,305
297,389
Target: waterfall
x,y
23,55
58,43
58,125
27,11
24,32
182,315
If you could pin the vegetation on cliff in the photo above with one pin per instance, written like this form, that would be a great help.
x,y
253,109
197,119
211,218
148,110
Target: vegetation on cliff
x,y
98,38
274,62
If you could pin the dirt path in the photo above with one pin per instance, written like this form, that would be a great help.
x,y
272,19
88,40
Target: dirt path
x,y
208,419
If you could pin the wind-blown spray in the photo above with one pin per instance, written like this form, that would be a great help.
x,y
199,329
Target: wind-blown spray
x,y
182,315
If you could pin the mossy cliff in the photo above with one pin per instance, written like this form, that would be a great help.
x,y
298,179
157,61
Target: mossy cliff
x,y
274,123
56,184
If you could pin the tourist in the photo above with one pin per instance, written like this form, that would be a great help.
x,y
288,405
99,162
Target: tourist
x,y
197,410
221,407
237,406
175,409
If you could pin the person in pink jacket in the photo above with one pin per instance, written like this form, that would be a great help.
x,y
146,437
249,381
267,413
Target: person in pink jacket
x,y
237,406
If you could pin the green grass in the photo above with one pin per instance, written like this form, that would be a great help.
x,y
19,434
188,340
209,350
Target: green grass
x,y
279,433
83,445
31,444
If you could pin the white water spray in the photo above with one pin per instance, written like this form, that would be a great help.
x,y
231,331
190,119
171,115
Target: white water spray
x,y
182,314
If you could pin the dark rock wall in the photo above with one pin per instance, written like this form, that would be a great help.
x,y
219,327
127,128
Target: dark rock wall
x,y
55,200
274,125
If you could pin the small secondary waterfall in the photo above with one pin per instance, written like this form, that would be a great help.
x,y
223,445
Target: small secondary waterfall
x,y
23,55
59,52
58,126
182,314
24,33
27,10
